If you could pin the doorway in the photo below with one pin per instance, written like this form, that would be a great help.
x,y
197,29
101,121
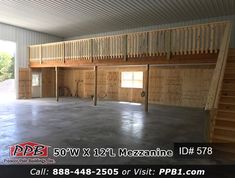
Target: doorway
x,y
36,85
7,70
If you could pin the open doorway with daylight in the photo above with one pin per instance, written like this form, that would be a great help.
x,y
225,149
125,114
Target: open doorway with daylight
x,y
7,70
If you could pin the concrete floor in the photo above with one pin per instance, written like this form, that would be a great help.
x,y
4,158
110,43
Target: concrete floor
x,y
76,123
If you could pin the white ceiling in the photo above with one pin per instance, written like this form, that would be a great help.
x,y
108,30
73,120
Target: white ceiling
x,y
67,18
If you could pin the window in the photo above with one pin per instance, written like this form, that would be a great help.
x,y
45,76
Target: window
x,y
35,80
132,80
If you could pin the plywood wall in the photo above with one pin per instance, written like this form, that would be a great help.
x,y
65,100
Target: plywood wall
x,y
109,84
112,85
168,85
181,86
48,82
24,91
73,79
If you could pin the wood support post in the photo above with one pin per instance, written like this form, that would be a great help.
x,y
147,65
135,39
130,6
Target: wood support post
x,y
146,88
56,84
95,85
30,83
28,57
41,54
91,51
168,44
147,45
64,52
125,47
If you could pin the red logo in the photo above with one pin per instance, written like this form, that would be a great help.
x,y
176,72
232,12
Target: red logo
x,y
29,149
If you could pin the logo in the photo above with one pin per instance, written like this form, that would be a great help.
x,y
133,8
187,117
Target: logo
x,y
29,149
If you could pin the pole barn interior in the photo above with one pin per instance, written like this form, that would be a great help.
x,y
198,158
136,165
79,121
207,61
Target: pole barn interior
x,y
120,74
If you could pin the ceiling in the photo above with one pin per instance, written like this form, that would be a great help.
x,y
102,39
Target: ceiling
x,y
67,18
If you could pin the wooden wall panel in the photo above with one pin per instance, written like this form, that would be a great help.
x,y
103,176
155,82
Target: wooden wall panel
x,y
112,84
73,80
68,80
108,84
25,82
181,86
48,82
168,85
101,85
89,83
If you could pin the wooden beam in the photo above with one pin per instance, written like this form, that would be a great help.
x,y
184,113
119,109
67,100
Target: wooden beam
x,y
146,89
175,59
56,84
95,85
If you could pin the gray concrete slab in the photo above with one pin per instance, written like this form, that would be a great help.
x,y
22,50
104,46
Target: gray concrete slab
x,y
77,123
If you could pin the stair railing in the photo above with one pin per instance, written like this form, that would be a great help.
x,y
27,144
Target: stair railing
x,y
217,80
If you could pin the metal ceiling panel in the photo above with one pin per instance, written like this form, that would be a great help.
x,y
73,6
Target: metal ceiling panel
x,y
67,18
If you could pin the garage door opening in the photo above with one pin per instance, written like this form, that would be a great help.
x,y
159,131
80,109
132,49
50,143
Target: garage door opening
x,y
7,70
